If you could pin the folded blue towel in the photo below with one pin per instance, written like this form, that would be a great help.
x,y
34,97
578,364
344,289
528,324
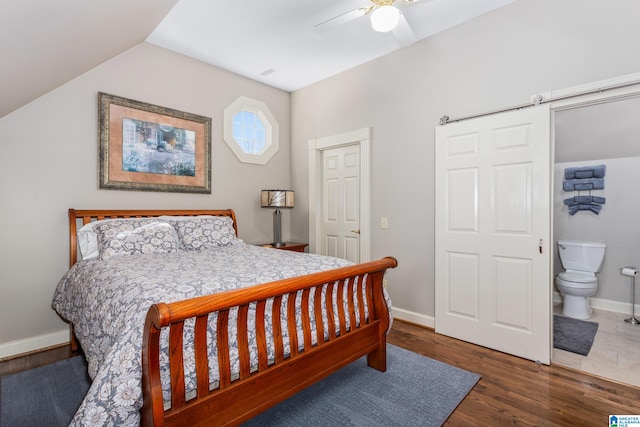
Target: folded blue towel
x,y
585,207
576,200
583,184
585,172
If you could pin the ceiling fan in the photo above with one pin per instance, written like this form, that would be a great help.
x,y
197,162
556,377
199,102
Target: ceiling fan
x,y
385,17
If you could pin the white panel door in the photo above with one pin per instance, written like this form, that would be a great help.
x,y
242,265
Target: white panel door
x,y
493,280
341,202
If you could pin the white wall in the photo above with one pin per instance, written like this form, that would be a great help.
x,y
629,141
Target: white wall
x,y
497,60
49,163
49,156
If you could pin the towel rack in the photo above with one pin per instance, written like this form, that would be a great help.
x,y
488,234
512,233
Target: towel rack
x,y
584,178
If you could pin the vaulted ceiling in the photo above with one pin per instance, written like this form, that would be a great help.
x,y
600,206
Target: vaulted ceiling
x,y
46,43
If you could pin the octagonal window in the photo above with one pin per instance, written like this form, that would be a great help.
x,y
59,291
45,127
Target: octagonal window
x,y
250,130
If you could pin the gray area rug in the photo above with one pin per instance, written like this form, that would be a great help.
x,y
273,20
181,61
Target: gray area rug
x,y
46,396
415,391
573,335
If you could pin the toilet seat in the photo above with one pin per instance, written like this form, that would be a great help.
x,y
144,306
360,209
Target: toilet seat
x,y
577,277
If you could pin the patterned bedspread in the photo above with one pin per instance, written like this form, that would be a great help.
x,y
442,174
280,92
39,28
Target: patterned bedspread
x,y
107,301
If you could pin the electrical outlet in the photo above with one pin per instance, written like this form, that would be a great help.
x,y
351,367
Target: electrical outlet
x,y
384,222
384,283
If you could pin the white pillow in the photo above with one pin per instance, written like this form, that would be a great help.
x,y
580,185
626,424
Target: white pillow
x,y
88,241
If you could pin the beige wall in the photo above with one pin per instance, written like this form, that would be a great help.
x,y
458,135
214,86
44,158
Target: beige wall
x,y
49,163
497,60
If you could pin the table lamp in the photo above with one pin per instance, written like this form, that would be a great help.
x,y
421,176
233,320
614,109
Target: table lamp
x,y
277,199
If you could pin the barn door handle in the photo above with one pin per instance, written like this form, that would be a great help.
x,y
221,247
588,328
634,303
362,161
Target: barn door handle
x,y
356,231
540,245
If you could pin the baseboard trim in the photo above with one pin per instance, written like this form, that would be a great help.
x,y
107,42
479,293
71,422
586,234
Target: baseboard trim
x,y
28,345
617,306
597,303
19,347
410,316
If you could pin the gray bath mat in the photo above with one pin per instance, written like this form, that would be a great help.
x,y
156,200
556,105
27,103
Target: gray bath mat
x,y
573,335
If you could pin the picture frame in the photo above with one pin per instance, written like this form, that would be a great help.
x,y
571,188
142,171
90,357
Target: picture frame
x,y
147,147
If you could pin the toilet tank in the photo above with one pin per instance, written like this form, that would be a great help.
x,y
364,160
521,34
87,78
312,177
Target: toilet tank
x,y
581,256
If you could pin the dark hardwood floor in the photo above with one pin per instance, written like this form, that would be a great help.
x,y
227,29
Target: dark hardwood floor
x,y
518,392
511,392
35,359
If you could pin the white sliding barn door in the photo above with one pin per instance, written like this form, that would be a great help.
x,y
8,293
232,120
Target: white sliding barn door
x,y
492,278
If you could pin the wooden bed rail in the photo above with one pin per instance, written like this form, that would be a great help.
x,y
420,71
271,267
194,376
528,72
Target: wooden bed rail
x,y
357,328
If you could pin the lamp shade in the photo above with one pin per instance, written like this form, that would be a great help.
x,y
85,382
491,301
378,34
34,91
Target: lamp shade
x,y
385,18
277,199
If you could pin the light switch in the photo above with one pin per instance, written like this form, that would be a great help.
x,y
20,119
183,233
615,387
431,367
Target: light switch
x,y
384,222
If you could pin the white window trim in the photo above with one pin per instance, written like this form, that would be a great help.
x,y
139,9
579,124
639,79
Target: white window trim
x,y
269,121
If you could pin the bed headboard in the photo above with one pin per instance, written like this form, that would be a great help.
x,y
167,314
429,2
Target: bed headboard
x,y
86,216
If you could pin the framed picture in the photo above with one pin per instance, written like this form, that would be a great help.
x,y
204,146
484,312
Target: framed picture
x,y
150,148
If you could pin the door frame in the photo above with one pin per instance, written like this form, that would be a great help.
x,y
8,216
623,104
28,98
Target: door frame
x,y
614,89
361,137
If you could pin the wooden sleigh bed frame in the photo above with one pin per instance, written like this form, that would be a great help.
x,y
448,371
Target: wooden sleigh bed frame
x,y
237,397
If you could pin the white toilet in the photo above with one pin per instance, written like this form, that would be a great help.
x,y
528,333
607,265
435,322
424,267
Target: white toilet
x,y
581,261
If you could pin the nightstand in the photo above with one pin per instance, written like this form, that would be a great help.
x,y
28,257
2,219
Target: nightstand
x,y
289,246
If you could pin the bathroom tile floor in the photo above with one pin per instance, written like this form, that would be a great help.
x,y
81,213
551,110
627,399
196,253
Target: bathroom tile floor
x,y
615,353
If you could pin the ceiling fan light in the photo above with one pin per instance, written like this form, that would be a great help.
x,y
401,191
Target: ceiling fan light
x,y
385,18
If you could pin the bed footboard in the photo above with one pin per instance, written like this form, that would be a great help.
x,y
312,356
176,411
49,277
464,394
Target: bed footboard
x,y
352,298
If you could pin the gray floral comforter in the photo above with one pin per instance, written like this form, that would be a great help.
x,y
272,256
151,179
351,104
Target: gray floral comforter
x,y
107,301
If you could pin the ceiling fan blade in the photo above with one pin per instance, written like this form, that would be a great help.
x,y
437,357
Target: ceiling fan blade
x,y
341,19
403,33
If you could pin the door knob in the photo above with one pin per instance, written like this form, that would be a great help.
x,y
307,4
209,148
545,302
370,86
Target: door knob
x,y
356,231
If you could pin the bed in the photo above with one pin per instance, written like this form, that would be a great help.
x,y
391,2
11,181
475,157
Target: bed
x,y
182,323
